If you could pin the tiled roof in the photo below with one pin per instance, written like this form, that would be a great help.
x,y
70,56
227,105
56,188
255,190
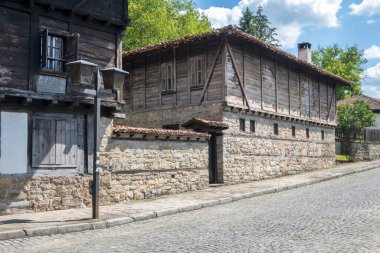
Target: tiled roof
x,y
206,123
374,103
118,129
235,32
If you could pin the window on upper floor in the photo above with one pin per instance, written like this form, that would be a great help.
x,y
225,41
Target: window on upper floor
x,y
197,67
307,133
323,135
57,48
54,53
167,77
293,131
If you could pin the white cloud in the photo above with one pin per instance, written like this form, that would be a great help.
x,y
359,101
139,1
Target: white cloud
x,y
374,72
371,86
290,17
366,7
372,52
371,21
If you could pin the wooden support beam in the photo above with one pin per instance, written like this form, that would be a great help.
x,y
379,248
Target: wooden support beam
x,y
327,99
144,105
289,97
261,82
243,56
174,76
275,83
308,87
319,96
160,80
132,93
189,73
237,73
205,61
27,101
331,100
52,102
299,92
212,70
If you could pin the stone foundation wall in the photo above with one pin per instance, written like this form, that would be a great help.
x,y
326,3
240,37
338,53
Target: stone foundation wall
x,y
132,169
360,151
249,156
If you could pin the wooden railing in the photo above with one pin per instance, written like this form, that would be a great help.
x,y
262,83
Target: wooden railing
x,y
355,134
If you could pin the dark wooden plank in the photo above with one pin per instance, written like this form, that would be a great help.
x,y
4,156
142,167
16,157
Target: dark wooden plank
x,y
261,82
237,73
212,70
331,103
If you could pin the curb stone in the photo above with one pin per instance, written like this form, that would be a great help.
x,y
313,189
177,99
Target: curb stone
x,y
210,203
143,216
102,224
118,221
74,228
41,231
191,207
12,234
167,212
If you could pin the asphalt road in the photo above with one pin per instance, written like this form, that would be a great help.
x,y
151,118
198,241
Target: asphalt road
x,y
341,215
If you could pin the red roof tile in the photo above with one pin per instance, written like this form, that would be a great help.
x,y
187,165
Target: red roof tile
x,y
374,103
117,129
206,123
235,32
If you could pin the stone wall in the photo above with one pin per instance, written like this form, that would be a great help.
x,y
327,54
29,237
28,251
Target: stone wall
x,y
360,151
131,169
249,156
149,168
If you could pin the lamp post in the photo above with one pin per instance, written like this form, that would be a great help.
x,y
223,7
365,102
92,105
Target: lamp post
x,y
81,75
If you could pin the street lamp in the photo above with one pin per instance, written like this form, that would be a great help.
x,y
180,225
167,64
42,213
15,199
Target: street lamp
x,y
81,74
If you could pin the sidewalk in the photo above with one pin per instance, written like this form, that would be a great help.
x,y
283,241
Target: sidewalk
x,y
74,220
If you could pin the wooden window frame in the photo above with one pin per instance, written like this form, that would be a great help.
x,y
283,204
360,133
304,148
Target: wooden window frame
x,y
167,79
55,118
242,124
70,50
197,78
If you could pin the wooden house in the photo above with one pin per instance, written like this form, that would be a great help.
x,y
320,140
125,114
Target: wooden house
x,y
281,110
46,121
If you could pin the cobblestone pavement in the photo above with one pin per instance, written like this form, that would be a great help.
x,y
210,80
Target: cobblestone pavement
x,y
341,215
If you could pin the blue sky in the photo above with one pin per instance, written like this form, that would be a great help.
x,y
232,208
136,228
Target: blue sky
x,y
320,22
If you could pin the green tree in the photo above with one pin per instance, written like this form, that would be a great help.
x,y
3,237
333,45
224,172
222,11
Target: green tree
x,y
355,116
347,63
157,21
258,25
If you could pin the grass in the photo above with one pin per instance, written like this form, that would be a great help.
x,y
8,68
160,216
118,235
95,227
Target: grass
x,y
344,158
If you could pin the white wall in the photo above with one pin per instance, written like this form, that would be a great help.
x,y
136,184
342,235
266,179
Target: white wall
x,y
377,126
14,142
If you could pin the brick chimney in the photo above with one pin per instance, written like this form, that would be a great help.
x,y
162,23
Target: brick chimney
x,y
304,51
